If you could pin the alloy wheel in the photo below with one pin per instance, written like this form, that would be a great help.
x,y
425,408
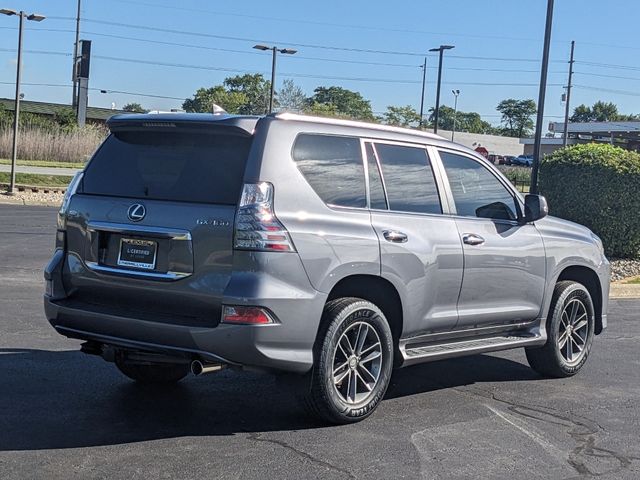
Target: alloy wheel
x,y
574,331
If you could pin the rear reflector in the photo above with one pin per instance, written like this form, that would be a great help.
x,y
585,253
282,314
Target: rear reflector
x,y
246,315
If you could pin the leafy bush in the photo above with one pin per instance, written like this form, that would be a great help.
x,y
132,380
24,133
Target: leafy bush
x,y
598,186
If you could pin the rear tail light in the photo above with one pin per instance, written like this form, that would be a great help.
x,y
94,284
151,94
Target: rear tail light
x,y
257,227
246,316
66,200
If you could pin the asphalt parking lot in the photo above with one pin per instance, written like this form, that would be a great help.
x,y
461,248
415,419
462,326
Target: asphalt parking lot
x,y
66,415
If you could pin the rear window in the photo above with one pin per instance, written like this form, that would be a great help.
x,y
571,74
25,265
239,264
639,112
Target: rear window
x,y
333,166
180,166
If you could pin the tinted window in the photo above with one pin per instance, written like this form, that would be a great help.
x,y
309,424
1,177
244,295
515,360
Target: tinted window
x,y
409,179
376,190
169,165
333,167
476,191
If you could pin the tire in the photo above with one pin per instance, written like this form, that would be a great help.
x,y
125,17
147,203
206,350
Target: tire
x,y
564,354
353,361
159,373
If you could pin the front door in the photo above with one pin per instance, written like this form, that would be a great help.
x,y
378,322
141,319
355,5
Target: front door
x,y
504,259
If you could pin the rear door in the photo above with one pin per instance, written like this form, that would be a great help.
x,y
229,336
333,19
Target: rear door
x,y
419,246
504,259
150,231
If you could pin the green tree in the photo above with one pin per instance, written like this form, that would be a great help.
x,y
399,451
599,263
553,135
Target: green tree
x,y
322,109
516,116
134,108
347,102
600,112
291,97
256,91
464,121
401,116
204,99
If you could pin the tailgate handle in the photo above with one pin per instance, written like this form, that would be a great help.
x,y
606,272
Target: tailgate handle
x,y
394,236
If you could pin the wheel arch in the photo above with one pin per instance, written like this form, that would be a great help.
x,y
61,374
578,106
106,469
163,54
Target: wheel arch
x,y
377,290
590,280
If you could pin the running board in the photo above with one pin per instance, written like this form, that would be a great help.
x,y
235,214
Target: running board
x,y
424,353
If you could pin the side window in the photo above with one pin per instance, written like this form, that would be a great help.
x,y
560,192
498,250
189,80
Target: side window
x,y
476,191
376,190
408,178
332,165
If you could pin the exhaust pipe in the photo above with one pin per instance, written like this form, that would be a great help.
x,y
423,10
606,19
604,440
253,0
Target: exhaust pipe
x,y
199,368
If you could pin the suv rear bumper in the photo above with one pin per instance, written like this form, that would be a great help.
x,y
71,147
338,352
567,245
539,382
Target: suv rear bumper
x,y
285,345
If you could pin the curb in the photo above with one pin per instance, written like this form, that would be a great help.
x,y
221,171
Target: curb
x,y
624,290
29,203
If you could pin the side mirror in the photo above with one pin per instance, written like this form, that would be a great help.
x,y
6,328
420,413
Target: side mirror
x,y
535,207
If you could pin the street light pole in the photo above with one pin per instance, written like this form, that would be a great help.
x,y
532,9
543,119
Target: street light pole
x,y
455,111
274,50
543,88
424,78
440,49
16,112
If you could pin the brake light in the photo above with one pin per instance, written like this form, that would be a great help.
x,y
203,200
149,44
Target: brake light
x,y
66,200
246,316
257,227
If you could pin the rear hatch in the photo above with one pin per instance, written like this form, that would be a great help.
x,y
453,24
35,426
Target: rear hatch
x,y
150,229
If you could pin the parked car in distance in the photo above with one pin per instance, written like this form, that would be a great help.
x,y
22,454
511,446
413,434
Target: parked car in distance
x,y
327,251
509,159
523,160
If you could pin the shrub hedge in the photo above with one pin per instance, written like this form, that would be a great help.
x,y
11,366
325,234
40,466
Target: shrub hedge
x,y
597,185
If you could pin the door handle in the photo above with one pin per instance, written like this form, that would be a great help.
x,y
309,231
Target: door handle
x,y
395,236
472,239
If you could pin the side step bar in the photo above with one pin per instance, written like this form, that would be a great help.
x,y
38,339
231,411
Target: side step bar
x,y
413,354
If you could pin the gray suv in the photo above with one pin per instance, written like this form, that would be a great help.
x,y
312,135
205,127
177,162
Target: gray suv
x,y
327,250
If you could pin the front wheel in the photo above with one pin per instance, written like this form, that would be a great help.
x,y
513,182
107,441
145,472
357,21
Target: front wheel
x,y
353,361
570,329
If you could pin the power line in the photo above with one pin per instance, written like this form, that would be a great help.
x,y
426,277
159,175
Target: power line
x,y
608,90
609,65
607,76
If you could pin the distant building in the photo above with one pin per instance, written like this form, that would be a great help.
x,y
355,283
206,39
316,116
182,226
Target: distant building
x,y
47,109
621,134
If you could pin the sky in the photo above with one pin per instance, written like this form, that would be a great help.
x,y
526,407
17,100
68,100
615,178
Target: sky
x,y
170,49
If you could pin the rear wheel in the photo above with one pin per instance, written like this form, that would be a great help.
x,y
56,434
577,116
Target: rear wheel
x,y
570,329
353,361
152,373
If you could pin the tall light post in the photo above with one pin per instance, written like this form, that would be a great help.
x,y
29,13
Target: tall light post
x,y
274,50
455,111
14,149
76,46
541,95
440,49
424,78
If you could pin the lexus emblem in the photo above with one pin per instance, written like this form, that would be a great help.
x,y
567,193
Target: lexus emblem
x,y
136,212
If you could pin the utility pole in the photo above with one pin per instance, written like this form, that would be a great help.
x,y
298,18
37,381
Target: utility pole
x,y
424,78
74,74
568,98
543,87
83,81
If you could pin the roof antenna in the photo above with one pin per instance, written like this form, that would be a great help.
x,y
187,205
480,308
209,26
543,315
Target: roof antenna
x,y
218,110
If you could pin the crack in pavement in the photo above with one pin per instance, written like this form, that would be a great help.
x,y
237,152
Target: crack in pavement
x,y
582,430
257,437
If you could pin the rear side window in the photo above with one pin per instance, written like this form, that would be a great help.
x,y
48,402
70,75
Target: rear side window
x,y
408,178
332,165
180,166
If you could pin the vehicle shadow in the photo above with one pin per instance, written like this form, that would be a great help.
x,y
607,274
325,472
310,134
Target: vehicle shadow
x,y
65,399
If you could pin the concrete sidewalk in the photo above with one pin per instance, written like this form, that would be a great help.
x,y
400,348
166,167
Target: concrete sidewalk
x,y
64,172
624,290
